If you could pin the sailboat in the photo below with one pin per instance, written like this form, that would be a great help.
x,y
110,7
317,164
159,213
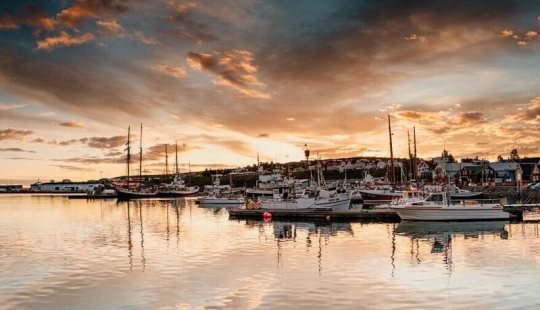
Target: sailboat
x,y
177,188
387,192
139,192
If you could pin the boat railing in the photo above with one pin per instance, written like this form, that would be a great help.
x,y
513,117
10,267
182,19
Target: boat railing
x,y
466,202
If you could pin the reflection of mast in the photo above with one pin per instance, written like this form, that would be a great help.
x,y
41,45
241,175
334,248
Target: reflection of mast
x,y
142,237
392,259
130,244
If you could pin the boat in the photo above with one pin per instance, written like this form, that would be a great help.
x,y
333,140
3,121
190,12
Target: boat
x,y
98,193
139,192
285,197
217,197
379,195
225,189
177,187
458,193
407,196
438,207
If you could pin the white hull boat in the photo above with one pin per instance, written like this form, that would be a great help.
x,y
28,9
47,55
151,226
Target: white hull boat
x,y
209,200
284,198
437,207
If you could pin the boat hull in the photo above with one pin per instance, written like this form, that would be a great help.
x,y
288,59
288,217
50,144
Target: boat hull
x,y
336,203
127,195
179,193
221,201
376,197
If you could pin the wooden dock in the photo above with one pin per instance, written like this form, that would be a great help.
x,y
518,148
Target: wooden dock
x,y
319,213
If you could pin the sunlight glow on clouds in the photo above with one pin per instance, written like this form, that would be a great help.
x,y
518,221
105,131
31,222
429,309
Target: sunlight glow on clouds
x,y
231,80
64,40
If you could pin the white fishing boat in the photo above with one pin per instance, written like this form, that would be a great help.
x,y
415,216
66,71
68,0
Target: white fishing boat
x,y
438,207
284,197
217,197
458,193
407,196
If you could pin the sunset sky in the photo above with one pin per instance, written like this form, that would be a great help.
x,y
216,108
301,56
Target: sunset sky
x,y
228,80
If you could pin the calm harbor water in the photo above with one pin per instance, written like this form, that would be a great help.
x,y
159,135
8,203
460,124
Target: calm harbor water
x,y
57,253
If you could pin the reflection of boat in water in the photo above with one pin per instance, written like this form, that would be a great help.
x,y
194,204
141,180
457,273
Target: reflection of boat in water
x,y
286,230
216,207
419,228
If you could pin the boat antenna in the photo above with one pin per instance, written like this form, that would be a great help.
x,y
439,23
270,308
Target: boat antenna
x,y
140,158
128,158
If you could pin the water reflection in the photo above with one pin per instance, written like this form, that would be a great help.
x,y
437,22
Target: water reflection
x,y
317,234
439,236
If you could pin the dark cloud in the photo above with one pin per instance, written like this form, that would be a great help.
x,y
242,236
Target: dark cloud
x,y
73,124
14,149
82,10
74,168
67,143
186,27
103,142
14,134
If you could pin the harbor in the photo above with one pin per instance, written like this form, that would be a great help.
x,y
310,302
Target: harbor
x,y
68,252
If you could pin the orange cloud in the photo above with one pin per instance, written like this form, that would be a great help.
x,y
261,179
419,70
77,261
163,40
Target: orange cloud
x,y
141,37
63,40
110,27
8,22
233,68
74,16
176,72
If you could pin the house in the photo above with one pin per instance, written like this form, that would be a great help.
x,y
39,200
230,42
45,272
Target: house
x,y
530,172
423,170
502,172
64,186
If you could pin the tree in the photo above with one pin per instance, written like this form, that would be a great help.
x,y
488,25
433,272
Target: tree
x,y
500,159
514,156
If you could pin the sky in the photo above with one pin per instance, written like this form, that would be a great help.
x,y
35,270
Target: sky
x,y
230,81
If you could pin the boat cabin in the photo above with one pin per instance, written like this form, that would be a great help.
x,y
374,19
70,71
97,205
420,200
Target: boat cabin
x,y
283,192
440,198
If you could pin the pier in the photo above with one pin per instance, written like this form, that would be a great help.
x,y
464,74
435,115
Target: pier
x,y
318,213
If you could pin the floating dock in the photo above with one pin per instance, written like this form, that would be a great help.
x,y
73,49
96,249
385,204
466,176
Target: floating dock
x,y
318,213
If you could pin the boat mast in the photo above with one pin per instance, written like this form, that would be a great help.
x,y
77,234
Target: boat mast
x,y
411,173
176,158
393,174
140,158
415,159
128,158
166,162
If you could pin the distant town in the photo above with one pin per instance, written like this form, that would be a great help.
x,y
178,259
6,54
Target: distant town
x,y
465,172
